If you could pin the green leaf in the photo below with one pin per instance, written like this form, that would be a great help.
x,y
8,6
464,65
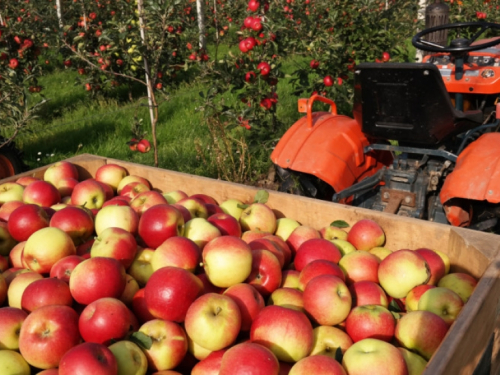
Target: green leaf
x,y
141,339
242,206
338,355
393,306
339,224
261,197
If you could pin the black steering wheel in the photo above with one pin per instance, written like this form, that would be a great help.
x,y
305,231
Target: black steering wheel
x,y
460,45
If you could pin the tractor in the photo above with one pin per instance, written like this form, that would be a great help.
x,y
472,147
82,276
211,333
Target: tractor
x,y
423,141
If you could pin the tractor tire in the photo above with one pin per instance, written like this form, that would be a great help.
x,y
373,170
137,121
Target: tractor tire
x,y
11,162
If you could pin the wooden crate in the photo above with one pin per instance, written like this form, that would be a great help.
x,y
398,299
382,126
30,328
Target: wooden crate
x,y
474,335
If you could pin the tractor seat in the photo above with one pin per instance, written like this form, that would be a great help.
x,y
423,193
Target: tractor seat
x,y
407,102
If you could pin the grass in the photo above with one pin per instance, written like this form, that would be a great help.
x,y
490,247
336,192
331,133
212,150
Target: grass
x,y
73,122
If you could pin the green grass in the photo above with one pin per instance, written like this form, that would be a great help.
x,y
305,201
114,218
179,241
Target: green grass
x,y
73,122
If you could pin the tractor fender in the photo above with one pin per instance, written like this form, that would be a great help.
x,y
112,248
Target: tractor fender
x,y
477,172
330,147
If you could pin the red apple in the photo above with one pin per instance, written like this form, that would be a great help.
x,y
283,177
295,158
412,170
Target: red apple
x,y
140,308
18,284
313,249
443,302
266,272
116,201
63,267
88,358
142,201
133,189
461,283
249,301
41,193
159,223
317,364
258,216
76,222
252,235
227,224
317,268
370,321
115,243
96,278
116,216
170,291
195,206
66,186
26,180
366,234
16,255
285,249
327,340
287,297
411,299
273,247
11,191
89,194
47,334
368,293
7,208
59,170
177,252
132,178
360,266
26,220
111,174
104,321
44,292
184,212
210,365
249,358
11,320
290,279
436,265
174,196
300,235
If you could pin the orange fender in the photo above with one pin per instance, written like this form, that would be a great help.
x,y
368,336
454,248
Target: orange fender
x,y
328,146
477,172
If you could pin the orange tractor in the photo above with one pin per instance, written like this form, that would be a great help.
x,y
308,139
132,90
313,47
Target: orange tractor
x,y
423,142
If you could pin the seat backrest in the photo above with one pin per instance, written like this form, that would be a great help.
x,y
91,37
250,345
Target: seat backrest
x,y
407,102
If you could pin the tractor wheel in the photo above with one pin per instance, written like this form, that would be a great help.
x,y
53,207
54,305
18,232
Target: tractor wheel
x,y
303,184
11,162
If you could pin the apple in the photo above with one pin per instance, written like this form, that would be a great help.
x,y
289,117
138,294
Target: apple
x,y
130,358
174,196
327,340
197,351
177,252
7,242
41,193
11,320
233,207
59,170
89,194
443,302
317,364
227,260
360,266
436,265
45,247
88,357
16,255
11,273
266,272
290,279
108,190
116,216
116,201
287,297
115,243
374,357
445,258
366,234
44,292
401,271
368,293
111,174
103,321
139,307
201,231
461,283
7,208
333,233
213,209
380,252
327,300
3,290
370,321
11,191
26,220
131,288
63,267
299,235
344,246
159,223
285,226
258,216
96,278
208,287
75,221
287,333
413,296
50,371
26,180
210,365
13,363
282,245
18,285
65,186
252,235
142,201
249,301
313,249
184,212
133,189
317,268
421,332
83,250
195,206
225,223
169,344
47,334
213,321
141,268
170,291
249,358
4,263
131,178
414,362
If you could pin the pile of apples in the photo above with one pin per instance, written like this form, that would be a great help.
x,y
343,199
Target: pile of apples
x,y
109,276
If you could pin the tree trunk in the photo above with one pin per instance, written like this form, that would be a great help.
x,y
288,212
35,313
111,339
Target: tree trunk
x,y
59,13
200,10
